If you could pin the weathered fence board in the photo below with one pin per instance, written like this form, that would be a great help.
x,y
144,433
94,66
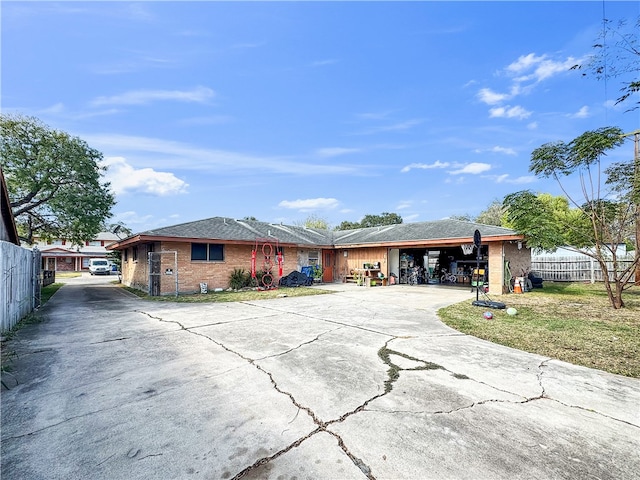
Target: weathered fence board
x,y
19,283
575,269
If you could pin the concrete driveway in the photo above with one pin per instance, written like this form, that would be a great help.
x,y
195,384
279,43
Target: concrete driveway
x,y
364,383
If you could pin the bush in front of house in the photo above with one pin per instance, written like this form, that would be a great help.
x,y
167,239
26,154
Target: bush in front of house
x,y
239,279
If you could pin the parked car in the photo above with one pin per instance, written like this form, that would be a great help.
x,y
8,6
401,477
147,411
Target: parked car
x,y
99,266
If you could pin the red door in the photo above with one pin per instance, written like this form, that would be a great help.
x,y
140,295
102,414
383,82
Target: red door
x,y
328,265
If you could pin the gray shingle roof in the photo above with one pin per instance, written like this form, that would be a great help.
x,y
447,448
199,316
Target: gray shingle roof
x,y
405,232
221,228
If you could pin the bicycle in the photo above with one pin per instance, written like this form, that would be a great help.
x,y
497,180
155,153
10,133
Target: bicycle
x,y
447,277
414,276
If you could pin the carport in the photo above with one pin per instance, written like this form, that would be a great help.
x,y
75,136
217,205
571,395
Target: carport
x,y
426,250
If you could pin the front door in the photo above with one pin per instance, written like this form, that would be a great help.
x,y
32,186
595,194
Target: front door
x,y
328,265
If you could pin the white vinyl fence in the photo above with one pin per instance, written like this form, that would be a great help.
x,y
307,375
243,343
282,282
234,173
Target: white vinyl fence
x,y
575,269
19,283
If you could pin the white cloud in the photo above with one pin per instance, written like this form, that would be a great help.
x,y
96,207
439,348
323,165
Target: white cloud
x,y
505,150
167,153
53,109
488,96
505,178
536,68
335,151
509,112
310,204
497,149
582,113
525,73
132,219
404,205
142,97
524,62
424,166
472,168
124,178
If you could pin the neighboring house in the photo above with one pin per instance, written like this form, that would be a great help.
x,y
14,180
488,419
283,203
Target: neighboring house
x,y
181,257
62,256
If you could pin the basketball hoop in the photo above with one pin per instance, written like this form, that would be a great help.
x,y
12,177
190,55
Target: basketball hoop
x,y
467,249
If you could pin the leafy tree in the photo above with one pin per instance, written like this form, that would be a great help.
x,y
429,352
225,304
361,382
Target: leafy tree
x,y
596,225
546,221
54,181
385,218
617,55
119,229
313,221
492,215
346,225
463,218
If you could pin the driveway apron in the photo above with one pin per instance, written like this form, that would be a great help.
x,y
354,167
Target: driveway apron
x,y
361,383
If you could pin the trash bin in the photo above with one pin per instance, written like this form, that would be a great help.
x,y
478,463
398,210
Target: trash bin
x,y
203,288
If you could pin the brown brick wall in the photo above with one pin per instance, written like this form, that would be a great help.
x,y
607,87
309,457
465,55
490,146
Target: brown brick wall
x,y
191,273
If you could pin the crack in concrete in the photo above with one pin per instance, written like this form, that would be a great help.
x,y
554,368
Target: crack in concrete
x,y
321,426
544,395
393,374
110,340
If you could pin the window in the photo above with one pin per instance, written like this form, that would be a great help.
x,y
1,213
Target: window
x,y
211,252
126,255
134,253
313,258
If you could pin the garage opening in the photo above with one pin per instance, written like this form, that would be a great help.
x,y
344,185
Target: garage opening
x,y
442,265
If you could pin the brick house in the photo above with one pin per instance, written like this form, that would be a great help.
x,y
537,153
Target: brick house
x,y
61,255
179,258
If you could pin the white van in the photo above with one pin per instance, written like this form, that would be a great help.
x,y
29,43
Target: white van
x,y
99,266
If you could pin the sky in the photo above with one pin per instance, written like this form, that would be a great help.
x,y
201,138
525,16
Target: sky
x,y
286,111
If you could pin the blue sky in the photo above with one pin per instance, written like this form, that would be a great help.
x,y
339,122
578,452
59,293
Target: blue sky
x,y
286,110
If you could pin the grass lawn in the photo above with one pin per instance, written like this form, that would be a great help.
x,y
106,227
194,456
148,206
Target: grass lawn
x,y
68,274
573,322
234,296
47,292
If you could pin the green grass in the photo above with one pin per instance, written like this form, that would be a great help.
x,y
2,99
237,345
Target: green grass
x,y
68,274
233,296
572,322
47,292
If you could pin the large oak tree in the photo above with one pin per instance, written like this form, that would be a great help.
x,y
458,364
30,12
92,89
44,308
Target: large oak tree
x,y
54,181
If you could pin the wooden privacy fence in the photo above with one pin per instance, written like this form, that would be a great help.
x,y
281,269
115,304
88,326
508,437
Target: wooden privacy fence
x,y
575,269
19,283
